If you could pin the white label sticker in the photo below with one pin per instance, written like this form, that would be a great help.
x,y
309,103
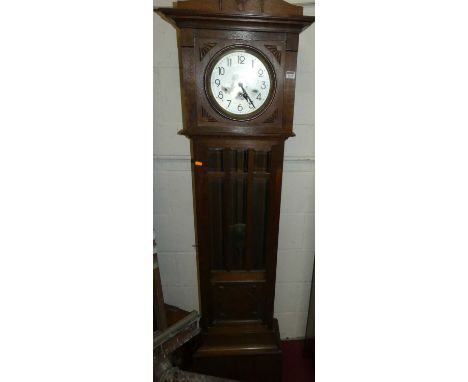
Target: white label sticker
x,y
290,75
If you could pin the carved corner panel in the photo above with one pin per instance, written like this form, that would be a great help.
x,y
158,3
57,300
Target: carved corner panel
x,y
206,117
205,48
272,118
276,51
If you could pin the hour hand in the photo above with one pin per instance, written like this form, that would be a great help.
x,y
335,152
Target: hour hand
x,y
245,95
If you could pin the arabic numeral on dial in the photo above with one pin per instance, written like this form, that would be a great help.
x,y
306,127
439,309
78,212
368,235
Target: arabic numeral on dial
x,y
220,95
239,107
229,104
217,82
253,63
251,106
240,59
259,97
229,61
221,70
260,72
264,86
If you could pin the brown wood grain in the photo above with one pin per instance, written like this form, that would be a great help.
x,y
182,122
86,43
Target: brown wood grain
x,y
260,7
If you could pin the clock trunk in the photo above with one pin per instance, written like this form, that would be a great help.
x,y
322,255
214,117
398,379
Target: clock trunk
x,y
237,194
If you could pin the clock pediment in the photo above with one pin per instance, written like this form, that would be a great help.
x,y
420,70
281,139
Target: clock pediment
x,y
260,7
275,16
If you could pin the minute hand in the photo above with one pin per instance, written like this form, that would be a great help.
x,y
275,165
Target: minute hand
x,y
245,95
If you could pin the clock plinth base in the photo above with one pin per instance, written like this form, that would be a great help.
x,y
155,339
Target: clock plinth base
x,y
245,352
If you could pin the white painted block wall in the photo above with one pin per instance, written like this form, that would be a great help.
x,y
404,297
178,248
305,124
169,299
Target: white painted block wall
x,y
173,204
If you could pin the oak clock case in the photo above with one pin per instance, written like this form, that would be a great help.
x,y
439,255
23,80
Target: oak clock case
x,y
237,151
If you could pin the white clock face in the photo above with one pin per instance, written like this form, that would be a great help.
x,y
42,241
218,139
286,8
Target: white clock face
x,y
240,83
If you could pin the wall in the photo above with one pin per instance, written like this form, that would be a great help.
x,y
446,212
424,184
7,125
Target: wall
x,y
173,207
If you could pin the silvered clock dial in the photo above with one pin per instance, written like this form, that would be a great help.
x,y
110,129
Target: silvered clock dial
x,y
240,83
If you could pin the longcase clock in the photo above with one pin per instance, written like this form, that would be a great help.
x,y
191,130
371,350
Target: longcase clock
x,y
238,75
